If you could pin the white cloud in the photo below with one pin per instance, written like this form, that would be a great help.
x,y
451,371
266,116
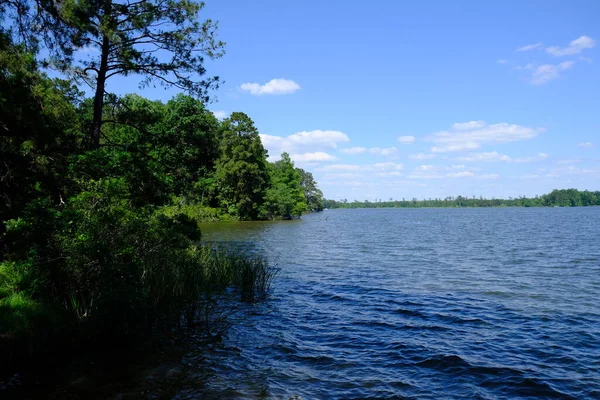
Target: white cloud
x,y
316,156
461,174
586,59
387,166
530,47
586,144
489,156
377,167
440,172
463,126
575,47
456,147
389,174
274,86
390,151
406,139
538,157
524,67
495,156
219,114
342,175
421,156
353,150
303,142
502,61
548,72
341,167
471,135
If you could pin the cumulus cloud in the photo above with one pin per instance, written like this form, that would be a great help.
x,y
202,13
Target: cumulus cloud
x,y
575,47
502,61
488,156
406,139
471,135
389,174
303,142
495,156
274,86
428,172
461,174
538,157
353,150
421,156
390,151
462,126
547,72
219,114
456,147
377,167
315,156
586,145
530,47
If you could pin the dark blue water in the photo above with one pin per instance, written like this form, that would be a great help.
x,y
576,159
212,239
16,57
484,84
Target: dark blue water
x,y
421,303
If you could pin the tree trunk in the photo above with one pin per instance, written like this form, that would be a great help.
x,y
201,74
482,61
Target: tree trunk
x,y
100,84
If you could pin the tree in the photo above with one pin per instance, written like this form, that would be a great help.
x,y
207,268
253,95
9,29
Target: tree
x,y
38,131
285,197
312,194
241,169
164,41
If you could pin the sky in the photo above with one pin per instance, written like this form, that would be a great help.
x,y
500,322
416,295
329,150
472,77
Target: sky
x,y
425,99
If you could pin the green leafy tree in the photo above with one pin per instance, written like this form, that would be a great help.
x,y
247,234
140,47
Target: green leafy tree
x,y
164,41
312,194
285,197
38,131
241,169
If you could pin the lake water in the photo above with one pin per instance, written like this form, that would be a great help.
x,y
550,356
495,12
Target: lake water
x,y
415,303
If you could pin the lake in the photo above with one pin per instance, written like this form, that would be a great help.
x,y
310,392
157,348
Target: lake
x,y
415,303
390,303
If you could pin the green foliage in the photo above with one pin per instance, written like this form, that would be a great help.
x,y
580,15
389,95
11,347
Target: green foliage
x,y
38,127
285,197
163,41
556,198
104,242
312,194
241,169
195,211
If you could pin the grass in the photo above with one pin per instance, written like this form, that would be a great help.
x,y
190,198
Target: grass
x,y
196,286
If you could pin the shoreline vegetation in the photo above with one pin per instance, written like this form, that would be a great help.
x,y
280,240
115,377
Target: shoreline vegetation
x,y
556,198
101,197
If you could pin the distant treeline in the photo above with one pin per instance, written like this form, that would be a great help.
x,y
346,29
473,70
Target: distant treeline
x,y
560,198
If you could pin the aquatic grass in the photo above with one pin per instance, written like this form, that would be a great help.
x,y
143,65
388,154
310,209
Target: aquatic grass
x,y
111,274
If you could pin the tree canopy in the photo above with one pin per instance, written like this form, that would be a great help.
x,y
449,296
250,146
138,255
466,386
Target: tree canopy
x,y
163,41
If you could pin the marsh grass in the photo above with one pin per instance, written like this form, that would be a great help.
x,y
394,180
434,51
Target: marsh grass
x,y
112,276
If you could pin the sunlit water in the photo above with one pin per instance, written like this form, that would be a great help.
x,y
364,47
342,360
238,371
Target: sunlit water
x,y
415,303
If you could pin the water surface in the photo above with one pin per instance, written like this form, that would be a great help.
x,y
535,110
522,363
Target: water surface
x,y
415,303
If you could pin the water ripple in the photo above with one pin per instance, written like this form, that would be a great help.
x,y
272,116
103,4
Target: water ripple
x,y
466,303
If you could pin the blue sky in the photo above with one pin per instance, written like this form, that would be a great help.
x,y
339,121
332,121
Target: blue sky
x,y
399,99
